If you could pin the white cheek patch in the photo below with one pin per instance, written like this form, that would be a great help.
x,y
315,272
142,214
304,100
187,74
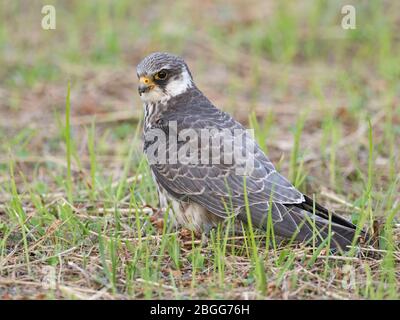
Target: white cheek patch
x,y
180,85
172,89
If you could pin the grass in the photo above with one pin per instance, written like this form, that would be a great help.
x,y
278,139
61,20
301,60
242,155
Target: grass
x,y
78,209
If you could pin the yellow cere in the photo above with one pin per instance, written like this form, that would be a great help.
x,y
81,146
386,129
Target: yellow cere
x,y
145,80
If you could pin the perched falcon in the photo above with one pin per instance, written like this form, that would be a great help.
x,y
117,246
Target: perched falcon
x,y
200,193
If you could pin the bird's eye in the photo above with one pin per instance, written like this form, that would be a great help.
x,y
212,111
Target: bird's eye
x,y
161,75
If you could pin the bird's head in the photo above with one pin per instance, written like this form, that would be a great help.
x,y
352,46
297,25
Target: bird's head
x,y
162,76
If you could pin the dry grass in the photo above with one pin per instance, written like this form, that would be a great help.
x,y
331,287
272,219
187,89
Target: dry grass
x,y
279,63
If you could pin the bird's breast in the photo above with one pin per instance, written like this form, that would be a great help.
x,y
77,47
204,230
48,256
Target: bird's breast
x,y
153,112
188,214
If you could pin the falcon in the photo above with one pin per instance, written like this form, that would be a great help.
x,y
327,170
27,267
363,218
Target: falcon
x,y
201,194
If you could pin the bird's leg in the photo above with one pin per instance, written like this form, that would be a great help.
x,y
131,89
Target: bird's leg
x,y
204,238
157,220
205,235
188,235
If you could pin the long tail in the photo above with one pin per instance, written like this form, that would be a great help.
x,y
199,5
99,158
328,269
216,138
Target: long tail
x,y
314,228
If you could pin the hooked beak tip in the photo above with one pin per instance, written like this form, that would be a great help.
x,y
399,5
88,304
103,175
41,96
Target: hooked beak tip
x,y
144,88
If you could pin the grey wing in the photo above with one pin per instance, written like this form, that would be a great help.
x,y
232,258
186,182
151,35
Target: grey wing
x,y
220,187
